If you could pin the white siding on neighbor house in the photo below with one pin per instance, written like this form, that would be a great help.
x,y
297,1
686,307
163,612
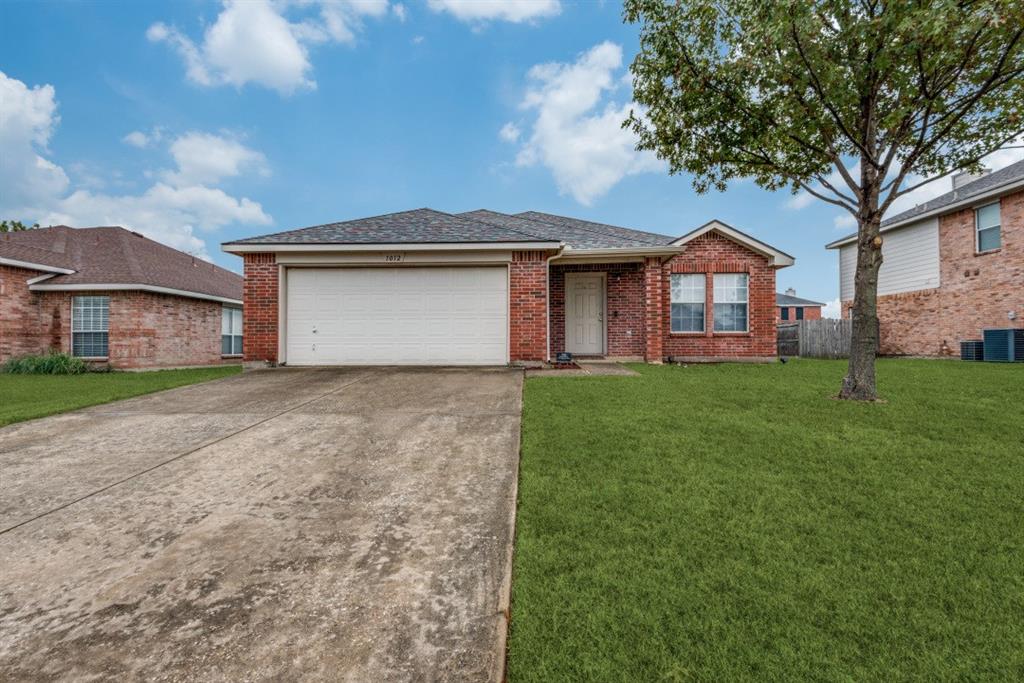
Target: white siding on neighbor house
x,y
910,261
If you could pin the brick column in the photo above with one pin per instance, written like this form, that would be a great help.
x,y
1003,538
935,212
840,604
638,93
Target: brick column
x,y
528,306
259,311
654,318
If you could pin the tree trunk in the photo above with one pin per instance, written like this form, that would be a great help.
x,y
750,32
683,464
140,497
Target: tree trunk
x,y
859,383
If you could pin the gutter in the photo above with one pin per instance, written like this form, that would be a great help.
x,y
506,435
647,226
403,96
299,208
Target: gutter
x,y
119,287
4,261
250,247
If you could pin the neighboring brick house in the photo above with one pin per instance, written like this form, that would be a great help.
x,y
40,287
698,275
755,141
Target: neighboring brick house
x,y
426,287
112,296
952,266
789,308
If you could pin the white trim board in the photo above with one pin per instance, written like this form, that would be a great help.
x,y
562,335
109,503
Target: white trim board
x,y
388,246
28,265
119,287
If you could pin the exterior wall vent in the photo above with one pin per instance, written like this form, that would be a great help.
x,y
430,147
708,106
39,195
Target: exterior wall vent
x,y
972,350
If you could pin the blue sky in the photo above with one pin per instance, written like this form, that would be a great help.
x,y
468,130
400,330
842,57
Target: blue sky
x,y
200,122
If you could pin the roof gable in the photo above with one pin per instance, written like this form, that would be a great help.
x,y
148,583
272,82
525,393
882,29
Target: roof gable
x,y
777,258
115,258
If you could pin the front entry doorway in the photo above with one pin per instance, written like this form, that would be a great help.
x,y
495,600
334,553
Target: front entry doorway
x,y
585,313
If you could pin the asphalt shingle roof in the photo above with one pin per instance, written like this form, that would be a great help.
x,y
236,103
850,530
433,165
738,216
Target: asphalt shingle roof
x,y
789,300
418,226
636,238
992,181
113,255
988,182
576,237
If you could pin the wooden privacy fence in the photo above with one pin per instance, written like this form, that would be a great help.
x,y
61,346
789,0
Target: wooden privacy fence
x,y
825,338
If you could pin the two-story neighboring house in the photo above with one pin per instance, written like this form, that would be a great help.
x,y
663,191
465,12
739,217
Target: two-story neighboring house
x,y
951,267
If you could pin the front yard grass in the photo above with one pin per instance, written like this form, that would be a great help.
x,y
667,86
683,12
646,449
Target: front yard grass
x,y
731,522
24,397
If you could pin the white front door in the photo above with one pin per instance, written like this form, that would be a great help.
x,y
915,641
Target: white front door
x,y
584,313
397,316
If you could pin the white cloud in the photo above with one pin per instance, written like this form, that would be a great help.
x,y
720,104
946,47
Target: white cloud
x,y
136,139
845,221
28,117
416,40
497,10
398,9
576,134
509,132
832,309
204,158
170,211
252,41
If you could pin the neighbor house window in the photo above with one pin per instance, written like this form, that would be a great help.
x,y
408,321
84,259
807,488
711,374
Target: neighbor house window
x,y
785,312
688,303
231,331
986,222
731,302
90,320
799,312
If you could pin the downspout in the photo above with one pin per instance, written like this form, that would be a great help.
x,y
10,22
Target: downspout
x,y
547,298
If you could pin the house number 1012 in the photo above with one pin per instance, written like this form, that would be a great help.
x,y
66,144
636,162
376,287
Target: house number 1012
x,y
392,258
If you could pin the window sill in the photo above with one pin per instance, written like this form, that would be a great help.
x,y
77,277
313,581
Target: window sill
x,y
231,355
732,334
988,251
689,334
92,359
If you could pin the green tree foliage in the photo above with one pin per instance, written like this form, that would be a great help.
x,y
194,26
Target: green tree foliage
x,y
15,226
851,101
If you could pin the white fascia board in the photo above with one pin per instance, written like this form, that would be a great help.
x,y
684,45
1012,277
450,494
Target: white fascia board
x,y
40,278
34,266
779,259
121,287
629,255
411,246
998,191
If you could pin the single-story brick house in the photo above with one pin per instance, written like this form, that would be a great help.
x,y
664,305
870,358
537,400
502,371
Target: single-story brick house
x,y
790,308
112,296
952,266
426,287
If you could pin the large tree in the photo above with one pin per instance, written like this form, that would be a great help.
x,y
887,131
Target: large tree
x,y
854,102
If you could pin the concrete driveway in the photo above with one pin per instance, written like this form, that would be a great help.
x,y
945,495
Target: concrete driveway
x,y
340,524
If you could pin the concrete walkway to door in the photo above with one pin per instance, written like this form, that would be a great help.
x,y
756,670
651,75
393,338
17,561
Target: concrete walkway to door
x,y
322,524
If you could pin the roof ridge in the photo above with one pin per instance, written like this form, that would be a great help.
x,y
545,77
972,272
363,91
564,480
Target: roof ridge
x,y
596,232
504,227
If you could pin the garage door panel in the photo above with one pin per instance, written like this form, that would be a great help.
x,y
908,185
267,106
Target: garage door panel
x,y
365,316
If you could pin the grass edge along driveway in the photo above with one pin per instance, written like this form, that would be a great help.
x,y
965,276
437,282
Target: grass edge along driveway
x,y
732,522
25,397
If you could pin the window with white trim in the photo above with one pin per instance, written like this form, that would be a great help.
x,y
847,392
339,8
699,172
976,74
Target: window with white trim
x,y
986,226
90,326
730,297
231,331
687,298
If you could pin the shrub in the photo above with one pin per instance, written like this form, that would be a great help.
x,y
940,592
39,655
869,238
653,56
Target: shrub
x,y
49,364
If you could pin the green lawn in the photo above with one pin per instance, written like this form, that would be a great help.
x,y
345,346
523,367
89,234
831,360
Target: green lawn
x,y
23,397
730,522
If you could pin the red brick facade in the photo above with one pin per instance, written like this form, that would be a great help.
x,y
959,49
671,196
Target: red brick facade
x,y
713,253
976,291
528,306
625,305
145,329
810,313
637,302
261,307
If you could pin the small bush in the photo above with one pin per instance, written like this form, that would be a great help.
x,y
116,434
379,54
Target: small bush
x,y
48,364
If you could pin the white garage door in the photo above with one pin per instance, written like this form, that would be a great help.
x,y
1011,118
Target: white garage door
x,y
397,316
